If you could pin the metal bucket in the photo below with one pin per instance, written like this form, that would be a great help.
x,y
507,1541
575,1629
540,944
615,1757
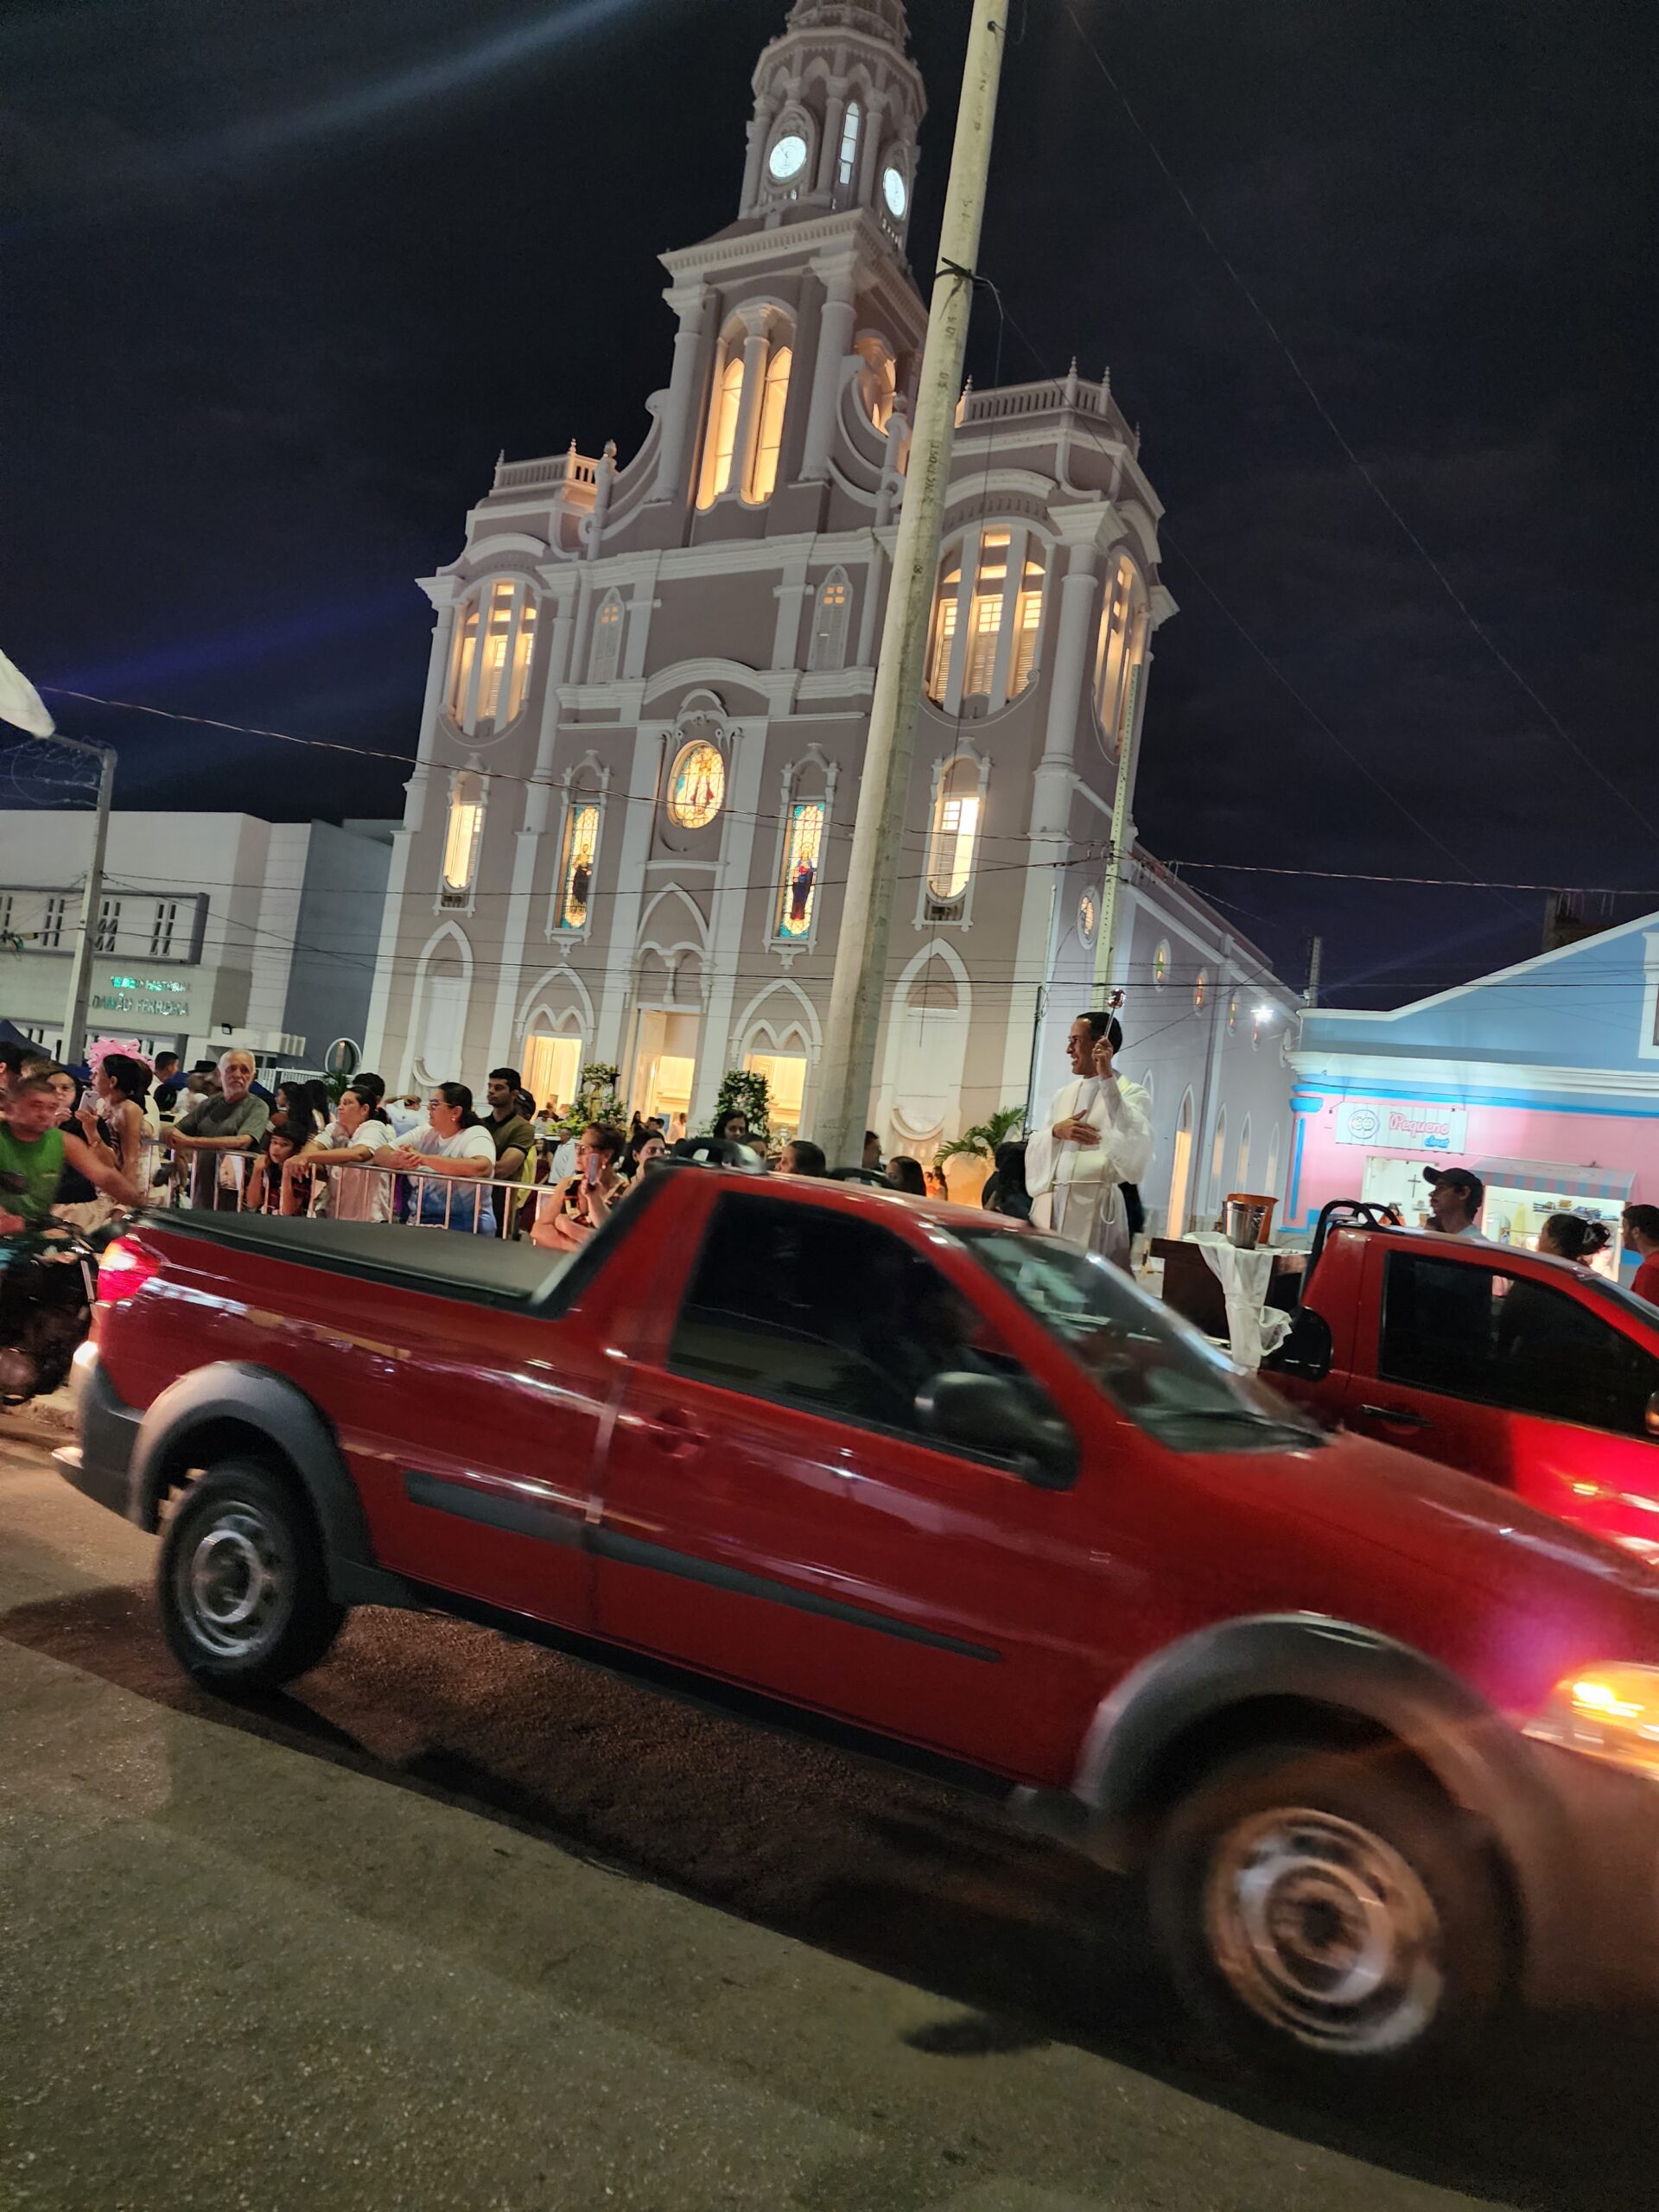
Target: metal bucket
x,y
1245,1218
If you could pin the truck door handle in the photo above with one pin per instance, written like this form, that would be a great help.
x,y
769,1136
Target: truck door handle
x,y
1402,1416
673,1435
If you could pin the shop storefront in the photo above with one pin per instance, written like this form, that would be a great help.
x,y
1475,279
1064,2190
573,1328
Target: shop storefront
x,y
1459,1080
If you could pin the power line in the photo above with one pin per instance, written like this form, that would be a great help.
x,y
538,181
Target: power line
x,y
1366,474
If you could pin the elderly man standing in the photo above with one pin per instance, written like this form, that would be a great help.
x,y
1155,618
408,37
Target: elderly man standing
x,y
1099,1135
229,1120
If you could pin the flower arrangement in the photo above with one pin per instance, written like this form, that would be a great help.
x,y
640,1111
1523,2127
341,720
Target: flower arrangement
x,y
598,1099
743,1091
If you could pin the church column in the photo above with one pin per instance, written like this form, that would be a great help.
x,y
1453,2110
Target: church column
x,y
829,144
437,671
526,844
869,149
690,303
759,130
836,319
1050,828
755,350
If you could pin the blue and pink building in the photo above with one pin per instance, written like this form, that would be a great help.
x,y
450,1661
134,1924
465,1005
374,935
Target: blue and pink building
x,y
1543,1077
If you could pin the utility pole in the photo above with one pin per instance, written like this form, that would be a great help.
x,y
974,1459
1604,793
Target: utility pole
x,y
1315,961
80,968
861,975
1128,749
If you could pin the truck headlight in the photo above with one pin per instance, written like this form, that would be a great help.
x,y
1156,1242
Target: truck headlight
x,y
1609,1712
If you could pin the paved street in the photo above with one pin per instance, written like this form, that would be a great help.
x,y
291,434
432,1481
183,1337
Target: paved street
x,y
463,1924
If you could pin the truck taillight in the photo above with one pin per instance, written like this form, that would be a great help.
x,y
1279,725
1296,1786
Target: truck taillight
x,y
124,1268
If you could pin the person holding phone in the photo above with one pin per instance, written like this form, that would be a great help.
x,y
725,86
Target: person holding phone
x,y
583,1200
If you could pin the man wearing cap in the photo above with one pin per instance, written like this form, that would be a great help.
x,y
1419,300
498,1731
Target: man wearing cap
x,y
1456,1196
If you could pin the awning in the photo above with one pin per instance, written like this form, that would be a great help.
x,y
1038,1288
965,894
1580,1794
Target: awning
x,y
1557,1175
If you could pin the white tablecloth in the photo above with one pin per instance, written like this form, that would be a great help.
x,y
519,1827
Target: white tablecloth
x,y
1253,1328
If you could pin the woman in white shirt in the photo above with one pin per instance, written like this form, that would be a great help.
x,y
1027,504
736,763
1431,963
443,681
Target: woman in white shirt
x,y
352,1139
453,1145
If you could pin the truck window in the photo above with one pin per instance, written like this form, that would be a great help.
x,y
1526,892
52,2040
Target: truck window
x,y
1475,1332
803,1305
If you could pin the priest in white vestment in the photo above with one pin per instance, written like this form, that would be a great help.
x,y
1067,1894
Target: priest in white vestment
x,y
1097,1135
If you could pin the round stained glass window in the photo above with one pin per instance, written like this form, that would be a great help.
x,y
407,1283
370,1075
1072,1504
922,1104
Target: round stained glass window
x,y
696,785
1087,916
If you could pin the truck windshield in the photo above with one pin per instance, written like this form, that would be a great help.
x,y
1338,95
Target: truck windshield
x,y
1162,1375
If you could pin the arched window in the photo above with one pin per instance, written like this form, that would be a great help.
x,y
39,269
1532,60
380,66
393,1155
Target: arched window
x,y
490,660
769,439
608,639
1180,1170
798,884
847,158
462,838
721,444
1270,1185
956,805
1242,1171
988,615
827,648
1219,1154
578,854
1121,651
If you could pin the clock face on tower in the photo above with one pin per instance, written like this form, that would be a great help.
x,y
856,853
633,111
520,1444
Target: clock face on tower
x,y
896,191
788,157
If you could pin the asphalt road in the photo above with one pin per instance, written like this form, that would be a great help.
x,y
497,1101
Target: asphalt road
x,y
462,1924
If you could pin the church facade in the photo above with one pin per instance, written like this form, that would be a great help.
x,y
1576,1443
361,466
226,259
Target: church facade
x,y
646,704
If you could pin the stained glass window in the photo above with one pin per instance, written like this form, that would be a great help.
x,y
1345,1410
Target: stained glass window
x,y
1161,964
696,785
576,869
798,890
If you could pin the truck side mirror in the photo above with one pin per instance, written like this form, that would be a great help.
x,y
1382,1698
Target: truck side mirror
x,y
1307,1350
989,1414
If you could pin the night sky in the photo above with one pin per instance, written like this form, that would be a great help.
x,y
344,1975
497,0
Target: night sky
x,y
282,275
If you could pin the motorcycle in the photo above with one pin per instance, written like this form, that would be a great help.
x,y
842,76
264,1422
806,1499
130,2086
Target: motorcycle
x,y
49,1280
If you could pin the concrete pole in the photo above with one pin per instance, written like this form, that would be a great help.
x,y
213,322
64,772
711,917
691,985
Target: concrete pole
x,y
80,968
1128,752
860,977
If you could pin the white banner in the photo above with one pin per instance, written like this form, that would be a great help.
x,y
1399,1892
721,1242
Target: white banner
x,y
1401,1125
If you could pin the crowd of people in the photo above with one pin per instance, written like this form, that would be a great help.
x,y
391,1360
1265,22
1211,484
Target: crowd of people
x,y
215,1137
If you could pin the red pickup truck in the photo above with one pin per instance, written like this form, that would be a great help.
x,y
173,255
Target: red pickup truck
x,y
1532,1373
1384,1743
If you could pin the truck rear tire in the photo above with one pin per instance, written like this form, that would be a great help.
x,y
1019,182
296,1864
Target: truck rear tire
x,y
1327,1914
242,1582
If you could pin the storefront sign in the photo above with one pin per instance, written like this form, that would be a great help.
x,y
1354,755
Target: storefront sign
x,y
1396,1125
160,1000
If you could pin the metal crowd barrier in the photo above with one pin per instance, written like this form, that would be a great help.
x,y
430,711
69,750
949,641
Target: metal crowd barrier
x,y
464,1203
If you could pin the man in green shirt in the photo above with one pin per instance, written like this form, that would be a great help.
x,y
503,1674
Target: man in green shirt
x,y
510,1133
33,1153
231,1120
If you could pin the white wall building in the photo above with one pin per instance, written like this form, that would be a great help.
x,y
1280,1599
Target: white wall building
x,y
645,709
213,929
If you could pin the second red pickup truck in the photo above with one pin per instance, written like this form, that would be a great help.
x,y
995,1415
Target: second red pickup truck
x,y
1538,1375
1384,1743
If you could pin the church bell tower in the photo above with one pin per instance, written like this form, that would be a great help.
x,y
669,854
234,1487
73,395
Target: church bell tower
x,y
837,105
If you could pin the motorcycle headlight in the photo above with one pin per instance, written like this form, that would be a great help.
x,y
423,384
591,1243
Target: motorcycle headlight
x,y
1608,1711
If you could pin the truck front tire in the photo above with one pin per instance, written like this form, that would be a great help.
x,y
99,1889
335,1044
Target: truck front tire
x,y
1328,1913
242,1583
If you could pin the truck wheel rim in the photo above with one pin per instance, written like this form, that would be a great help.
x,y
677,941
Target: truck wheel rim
x,y
233,1583
1325,1931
